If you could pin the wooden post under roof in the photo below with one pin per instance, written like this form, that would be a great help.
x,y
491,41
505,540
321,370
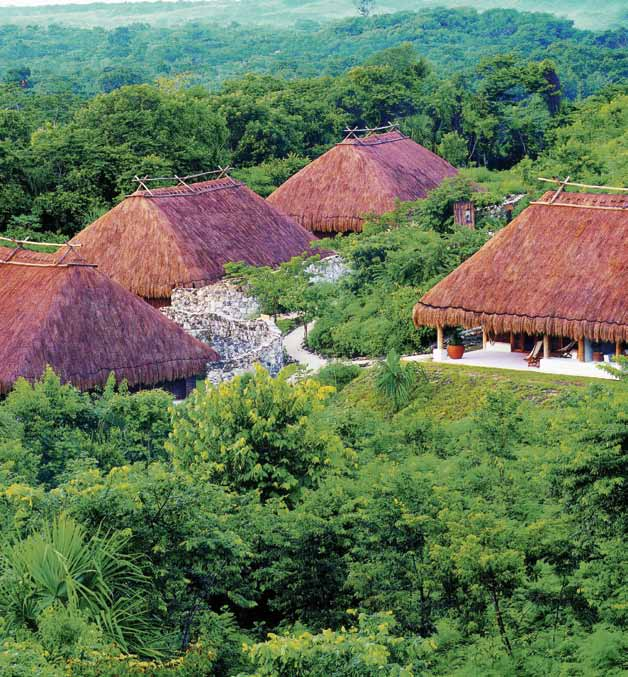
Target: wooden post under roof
x,y
617,348
581,349
484,338
440,338
546,347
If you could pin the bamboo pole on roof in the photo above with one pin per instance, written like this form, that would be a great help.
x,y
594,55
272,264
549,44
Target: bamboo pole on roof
x,y
26,264
580,185
38,244
579,206
559,190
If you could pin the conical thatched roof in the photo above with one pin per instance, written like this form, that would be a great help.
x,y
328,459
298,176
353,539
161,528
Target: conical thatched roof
x,y
84,325
559,269
359,176
181,237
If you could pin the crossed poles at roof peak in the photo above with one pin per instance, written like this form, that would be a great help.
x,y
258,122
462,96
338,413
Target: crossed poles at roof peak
x,y
220,173
352,132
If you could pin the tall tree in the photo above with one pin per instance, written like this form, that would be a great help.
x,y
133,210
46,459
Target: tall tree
x,y
364,7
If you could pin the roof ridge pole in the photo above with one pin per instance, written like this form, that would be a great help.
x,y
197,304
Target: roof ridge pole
x,y
582,185
395,127
16,242
65,253
71,249
388,127
560,189
224,173
579,206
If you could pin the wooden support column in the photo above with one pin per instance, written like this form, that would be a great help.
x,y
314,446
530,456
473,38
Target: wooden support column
x,y
440,338
617,348
581,350
484,338
546,347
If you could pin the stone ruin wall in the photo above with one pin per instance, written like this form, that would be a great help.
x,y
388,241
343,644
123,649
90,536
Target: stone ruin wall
x,y
330,269
223,316
228,320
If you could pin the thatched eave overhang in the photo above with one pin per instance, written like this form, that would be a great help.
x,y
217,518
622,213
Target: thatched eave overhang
x,y
500,323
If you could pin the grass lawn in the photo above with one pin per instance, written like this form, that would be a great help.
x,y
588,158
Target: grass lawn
x,y
286,325
456,390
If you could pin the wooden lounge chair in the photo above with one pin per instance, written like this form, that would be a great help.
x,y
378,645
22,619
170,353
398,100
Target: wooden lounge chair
x,y
567,350
534,358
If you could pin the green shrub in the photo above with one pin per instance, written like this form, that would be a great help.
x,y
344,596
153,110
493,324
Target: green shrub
x,y
363,651
256,432
338,375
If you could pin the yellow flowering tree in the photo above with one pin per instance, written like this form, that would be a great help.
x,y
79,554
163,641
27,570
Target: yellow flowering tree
x,y
366,650
256,432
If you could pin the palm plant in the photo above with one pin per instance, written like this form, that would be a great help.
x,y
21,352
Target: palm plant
x,y
395,381
62,565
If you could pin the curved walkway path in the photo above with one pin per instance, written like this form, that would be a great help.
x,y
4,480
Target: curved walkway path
x,y
293,345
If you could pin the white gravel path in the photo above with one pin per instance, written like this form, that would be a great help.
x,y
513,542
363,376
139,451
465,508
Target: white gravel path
x,y
293,344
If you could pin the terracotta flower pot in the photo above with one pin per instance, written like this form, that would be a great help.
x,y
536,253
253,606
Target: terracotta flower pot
x,y
455,352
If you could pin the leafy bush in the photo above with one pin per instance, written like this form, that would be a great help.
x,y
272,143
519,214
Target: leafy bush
x,y
363,651
62,427
256,432
392,264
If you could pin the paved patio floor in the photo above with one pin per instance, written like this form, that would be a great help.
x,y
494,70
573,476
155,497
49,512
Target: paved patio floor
x,y
504,360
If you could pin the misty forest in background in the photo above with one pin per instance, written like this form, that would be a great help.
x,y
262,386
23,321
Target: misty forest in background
x,y
83,62
288,13
394,521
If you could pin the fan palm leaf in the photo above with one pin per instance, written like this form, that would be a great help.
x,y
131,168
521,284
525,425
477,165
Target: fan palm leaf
x,y
62,565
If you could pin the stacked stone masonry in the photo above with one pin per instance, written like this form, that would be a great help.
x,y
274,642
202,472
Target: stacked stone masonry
x,y
226,318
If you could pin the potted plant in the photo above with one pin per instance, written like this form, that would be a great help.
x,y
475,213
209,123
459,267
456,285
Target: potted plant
x,y
455,346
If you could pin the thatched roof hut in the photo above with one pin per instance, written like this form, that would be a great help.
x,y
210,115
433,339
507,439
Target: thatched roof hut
x,y
358,176
560,269
181,236
63,313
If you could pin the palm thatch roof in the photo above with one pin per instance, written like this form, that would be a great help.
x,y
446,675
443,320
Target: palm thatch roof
x,y
72,317
360,176
560,268
182,236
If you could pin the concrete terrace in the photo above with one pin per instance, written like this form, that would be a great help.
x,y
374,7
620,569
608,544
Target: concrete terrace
x,y
493,359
